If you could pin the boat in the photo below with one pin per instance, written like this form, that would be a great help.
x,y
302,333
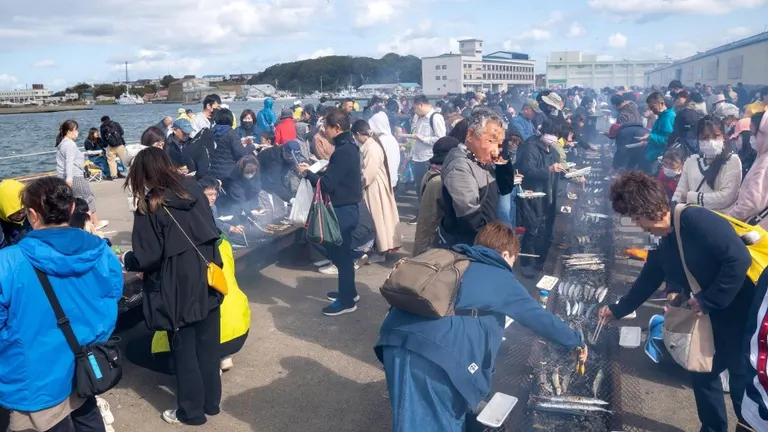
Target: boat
x,y
129,99
227,96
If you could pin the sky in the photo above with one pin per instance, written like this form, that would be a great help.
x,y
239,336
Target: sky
x,y
60,43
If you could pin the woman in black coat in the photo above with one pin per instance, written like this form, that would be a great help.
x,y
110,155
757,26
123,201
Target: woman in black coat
x,y
229,149
173,236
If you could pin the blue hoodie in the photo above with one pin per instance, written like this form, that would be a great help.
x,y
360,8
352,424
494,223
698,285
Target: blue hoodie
x,y
37,367
266,118
456,343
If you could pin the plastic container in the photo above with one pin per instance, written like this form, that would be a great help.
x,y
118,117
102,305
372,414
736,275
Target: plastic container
x,y
630,337
543,298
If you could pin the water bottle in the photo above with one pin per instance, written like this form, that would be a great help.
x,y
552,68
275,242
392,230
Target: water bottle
x,y
543,298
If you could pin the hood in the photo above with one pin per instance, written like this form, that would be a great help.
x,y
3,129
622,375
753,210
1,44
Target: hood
x,y
456,153
268,103
761,139
483,255
184,204
219,130
380,124
63,252
344,138
302,131
10,198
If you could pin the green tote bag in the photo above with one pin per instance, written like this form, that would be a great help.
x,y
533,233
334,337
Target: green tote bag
x,y
322,223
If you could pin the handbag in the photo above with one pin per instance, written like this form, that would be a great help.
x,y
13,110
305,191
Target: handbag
x,y
688,336
98,367
322,224
214,273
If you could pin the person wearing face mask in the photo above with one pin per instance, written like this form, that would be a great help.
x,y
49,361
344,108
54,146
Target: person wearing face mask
x,y
507,203
712,178
13,217
70,167
751,206
247,128
244,191
211,105
421,353
671,169
686,121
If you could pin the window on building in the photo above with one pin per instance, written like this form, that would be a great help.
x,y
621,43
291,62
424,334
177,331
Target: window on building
x,y
437,78
445,67
445,78
437,67
484,76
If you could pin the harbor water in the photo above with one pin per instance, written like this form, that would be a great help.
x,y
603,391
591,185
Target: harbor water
x,y
32,133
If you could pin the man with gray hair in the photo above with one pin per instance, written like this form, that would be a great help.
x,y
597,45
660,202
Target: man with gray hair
x,y
474,175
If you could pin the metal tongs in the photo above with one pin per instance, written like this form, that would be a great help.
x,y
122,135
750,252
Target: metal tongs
x,y
596,334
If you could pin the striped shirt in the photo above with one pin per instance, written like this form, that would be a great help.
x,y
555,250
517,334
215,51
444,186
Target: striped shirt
x,y
69,160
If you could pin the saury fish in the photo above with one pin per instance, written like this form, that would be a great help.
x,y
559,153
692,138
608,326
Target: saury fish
x,y
569,407
598,381
572,399
603,293
567,308
556,381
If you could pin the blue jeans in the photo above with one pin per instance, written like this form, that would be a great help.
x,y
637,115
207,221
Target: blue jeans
x,y
342,256
101,162
421,394
508,207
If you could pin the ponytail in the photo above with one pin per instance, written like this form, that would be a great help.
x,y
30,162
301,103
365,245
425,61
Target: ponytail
x,y
64,129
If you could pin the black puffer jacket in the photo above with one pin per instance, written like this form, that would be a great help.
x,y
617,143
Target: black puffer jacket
x,y
193,154
273,170
533,162
227,152
176,291
342,180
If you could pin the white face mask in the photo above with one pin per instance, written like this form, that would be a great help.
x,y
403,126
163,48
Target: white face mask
x,y
711,148
671,173
249,176
753,142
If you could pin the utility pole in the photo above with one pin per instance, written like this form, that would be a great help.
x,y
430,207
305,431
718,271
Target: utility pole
x,y
321,84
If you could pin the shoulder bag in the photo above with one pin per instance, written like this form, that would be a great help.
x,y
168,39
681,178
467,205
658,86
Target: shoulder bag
x,y
688,336
214,273
98,367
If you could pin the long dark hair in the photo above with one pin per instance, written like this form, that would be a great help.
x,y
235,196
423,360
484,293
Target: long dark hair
x,y
152,170
92,135
248,112
152,135
710,128
64,129
363,128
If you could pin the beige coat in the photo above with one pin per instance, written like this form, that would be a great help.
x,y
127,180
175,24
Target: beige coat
x,y
379,197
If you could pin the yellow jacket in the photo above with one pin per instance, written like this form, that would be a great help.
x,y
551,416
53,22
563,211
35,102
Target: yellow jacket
x,y
235,311
297,112
10,198
754,108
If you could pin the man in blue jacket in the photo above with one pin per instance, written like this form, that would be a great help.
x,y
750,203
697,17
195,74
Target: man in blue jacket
x,y
717,259
438,370
657,139
265,120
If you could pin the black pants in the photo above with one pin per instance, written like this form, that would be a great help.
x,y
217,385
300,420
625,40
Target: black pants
x,y
342,256
419,171
87,418
536,241
195,349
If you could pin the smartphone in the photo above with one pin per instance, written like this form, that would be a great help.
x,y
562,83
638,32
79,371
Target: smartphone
x,y
497,410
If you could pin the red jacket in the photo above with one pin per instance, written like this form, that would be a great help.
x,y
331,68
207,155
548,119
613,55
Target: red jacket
x,y
285,131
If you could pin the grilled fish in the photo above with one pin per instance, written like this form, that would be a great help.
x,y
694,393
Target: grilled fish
x,y
567,308
556,381
602,294
598,381
569,408
572,399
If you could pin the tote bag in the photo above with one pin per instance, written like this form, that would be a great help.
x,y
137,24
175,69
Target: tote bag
x,y
322,223
688,336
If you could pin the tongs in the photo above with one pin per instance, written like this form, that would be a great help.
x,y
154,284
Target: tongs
x,y
596,334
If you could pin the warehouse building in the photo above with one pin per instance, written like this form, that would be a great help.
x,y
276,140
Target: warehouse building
x,y
744,61
470,70
566,69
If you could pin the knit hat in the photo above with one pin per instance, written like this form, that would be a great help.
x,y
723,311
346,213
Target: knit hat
x,y
286,113
441,149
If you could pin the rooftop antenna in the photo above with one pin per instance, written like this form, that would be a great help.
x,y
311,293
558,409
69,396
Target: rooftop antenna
x,y
126,72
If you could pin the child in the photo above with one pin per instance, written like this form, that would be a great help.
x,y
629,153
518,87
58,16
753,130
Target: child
x,y
211,189
672,167
267,139
81,219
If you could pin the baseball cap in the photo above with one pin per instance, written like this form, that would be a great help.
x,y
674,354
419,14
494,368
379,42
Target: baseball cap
x,y
297,103
532,104
183,125
441,149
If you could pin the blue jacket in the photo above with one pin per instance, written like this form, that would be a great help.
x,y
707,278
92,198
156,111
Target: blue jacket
x,y
523,126
265,119
457,343
37,366
657,139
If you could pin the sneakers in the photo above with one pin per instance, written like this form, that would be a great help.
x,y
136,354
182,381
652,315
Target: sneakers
x,y
170,417
321,263
336,309
334,295
377,258
331,269
103,224
226,364
104,410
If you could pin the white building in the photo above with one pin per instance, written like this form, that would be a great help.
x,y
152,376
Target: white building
x,y
21,96
566,69
470,70
214,78
744,61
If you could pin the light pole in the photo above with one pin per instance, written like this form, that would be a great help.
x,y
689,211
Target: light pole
x,y
321,84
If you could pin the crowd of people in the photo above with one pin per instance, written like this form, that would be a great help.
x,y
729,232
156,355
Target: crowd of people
x,y
466,158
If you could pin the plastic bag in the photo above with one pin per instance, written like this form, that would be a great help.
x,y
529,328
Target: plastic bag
x,y
301,203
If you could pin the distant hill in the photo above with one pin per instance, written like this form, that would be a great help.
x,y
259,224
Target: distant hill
x,y
339,72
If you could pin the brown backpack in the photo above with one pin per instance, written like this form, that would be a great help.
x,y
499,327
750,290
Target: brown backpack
x,y
428,284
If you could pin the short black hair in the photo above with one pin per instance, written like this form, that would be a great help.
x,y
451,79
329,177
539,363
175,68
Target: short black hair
x,y
375,100
420,100
268,135
211,99
81,206
460,103
78,220
189,111
51,198
630,96
323,99
208,183
675,84
654,98
617,99
349,99
696,97
223,117
336,117
105,119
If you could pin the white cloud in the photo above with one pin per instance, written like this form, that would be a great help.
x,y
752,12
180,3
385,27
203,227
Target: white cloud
x,y
576,30
415,43
8,82
154,63
645,10
508,45
325,52
44,64
617,40
376,12
541,31
738,32
674,51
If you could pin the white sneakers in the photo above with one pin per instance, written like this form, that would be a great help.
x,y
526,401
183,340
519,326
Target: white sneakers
x,y
331,269
106,413
226,364
170,417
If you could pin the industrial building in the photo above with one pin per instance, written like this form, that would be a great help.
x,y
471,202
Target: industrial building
x,y
744,61
189,90
38,93
566,69
470,70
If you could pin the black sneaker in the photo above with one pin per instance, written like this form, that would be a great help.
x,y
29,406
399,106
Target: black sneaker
x,y
334,295
336,309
